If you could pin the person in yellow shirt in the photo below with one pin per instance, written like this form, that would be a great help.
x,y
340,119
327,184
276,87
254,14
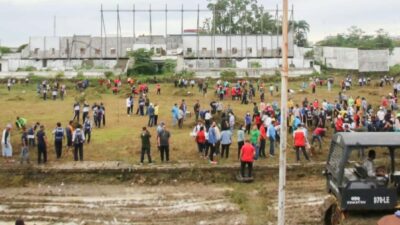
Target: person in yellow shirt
x,y
290,103
358,103
156,107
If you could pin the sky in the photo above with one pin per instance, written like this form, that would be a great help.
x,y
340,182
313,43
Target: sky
x,y
21,19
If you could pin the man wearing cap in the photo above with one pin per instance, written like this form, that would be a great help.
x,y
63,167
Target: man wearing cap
x,y
6,143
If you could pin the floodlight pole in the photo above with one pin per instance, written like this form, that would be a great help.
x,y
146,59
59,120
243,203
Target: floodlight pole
x,y
284,93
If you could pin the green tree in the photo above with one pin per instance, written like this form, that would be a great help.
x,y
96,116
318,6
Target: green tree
x,y
143,63
248,17
5,50
301,29
356,38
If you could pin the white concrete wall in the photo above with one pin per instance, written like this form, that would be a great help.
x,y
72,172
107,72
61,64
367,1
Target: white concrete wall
x,y
340,58
394,58
241,43
250,72
373,60
68,74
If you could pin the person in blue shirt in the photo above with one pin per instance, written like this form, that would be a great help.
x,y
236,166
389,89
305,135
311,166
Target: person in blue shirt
x,y
296,123
226,140
175,114
212,140
271,133
247,122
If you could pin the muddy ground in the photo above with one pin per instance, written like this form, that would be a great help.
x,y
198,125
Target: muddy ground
x,y
98,194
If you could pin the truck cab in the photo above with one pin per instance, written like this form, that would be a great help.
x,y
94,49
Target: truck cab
x,y
349,180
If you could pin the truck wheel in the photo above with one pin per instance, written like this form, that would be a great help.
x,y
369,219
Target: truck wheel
x,y
333,216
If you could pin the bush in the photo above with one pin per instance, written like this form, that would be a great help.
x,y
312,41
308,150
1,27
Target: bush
x,y
228,74
309,54
108,74
255,65
169,65
28,69
80,76
143,62
394,70
185,74
59,76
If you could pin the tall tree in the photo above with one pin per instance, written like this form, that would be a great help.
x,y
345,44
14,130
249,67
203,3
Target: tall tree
x,y
247,17
356,38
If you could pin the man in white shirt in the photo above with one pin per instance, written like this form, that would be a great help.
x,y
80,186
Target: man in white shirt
x,y
370,167
266,120
128,106
381,114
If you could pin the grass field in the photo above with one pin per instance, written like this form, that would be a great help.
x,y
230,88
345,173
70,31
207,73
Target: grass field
x,y
120,141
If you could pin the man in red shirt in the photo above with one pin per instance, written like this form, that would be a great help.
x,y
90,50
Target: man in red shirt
x,y
339,124
317,135
262,137
300,142
247,157
201,140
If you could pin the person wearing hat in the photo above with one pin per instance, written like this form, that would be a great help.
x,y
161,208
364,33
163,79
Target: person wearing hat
x,y
6,143
393,219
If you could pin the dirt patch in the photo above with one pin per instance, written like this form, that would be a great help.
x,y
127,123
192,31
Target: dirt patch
x,y
119,204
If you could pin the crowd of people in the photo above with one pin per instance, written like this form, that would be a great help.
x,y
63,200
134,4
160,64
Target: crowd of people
x,y
217,124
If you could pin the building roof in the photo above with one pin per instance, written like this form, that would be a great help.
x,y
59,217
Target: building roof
x,y
389,139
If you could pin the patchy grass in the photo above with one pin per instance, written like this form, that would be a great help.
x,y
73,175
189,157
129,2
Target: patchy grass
x,y
119,140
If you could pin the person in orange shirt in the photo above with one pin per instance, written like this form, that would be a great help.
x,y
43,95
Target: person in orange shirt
x,y
247,154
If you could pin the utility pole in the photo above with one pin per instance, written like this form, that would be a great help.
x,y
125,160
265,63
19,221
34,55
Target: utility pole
x,y
55,26
284,93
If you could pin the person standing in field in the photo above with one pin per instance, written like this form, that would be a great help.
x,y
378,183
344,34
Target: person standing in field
x,y
24,147
158,86
6,143
201,140
254,138
196,109
240,138
163,143
85,110
300,142
129,105
150,112
226,141
213,141
77,108
87,129
68,133
145,137
58,139
247,154
156,111
99,117
78,138
42,145
103,110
